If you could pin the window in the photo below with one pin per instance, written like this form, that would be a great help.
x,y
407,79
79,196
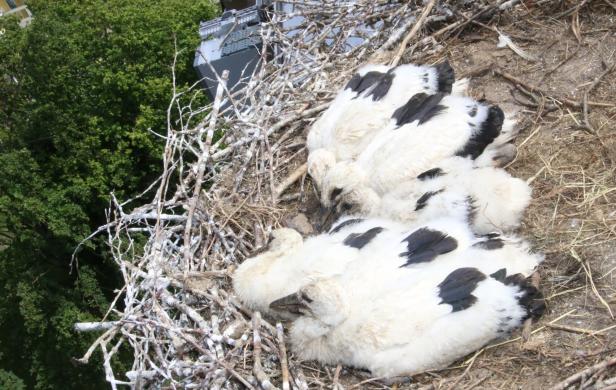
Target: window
x,y
11,4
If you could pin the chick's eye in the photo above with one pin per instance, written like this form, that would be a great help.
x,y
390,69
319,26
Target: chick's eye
x,y
306,298
346,206
335,193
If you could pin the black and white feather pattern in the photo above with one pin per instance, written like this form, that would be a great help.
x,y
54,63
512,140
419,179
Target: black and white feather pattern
x,y
364,107
417,270
419,317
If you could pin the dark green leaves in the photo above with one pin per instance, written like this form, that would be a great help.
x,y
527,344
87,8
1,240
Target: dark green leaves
x,y
79,89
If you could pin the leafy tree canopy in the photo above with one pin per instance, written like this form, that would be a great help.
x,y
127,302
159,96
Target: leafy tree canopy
x,y
80,89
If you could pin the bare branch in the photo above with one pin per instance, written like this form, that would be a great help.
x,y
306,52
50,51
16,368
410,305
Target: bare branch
x,y
224,167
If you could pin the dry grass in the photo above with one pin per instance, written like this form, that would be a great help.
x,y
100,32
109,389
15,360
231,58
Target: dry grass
x,y
572,218
567,150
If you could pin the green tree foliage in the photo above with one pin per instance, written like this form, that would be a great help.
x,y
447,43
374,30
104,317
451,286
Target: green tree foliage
x,y
80,89
10,381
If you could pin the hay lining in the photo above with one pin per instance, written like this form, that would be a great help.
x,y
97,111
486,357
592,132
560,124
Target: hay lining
x,y
220,195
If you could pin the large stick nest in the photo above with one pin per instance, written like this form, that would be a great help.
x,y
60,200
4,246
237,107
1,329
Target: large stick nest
x,y
234,170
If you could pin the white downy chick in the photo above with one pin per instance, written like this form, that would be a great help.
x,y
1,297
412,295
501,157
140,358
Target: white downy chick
x,y
365,106
413,321
489,198
438,127
290,262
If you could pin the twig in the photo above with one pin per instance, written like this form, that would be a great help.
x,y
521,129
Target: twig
x,y
94,326
468,368
481,12
108,335
201,163
369,380
584,374
477,382
189,311
279,125
237,376
257,368
412,33
335,384
567,101
570,10
478,71
597,79
397,35
608,2
571,329
284,365
592,281
587,125
292,178
561,63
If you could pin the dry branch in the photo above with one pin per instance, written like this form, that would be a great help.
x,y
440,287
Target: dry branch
x,y
94,326
215,200
593,286
584,374
257,369
570,102
412,33
292,178
284,365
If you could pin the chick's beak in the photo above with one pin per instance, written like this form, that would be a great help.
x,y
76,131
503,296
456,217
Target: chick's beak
x,y
292,304
327,217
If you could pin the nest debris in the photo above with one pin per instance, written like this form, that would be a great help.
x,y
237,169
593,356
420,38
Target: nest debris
x,y
230,175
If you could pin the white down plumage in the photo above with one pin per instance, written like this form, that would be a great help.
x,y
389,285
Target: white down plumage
x,y
422,314
410,327
290,262
489,197
417,274
432,129
365,105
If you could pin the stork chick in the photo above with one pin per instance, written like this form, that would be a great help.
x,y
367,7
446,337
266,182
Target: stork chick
x,y
432,129
365,106
445,243
289,262
418,322
490,198
255,281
